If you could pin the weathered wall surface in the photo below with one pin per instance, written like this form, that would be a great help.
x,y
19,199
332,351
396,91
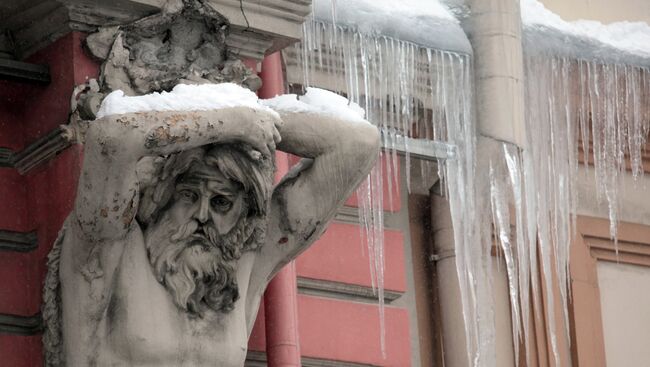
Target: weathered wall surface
x,y
39,200
625,296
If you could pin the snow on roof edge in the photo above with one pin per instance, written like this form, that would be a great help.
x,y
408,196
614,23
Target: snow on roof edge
x,y
620,42
430,25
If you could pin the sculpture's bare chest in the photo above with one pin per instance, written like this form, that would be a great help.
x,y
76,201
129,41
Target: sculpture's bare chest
x,y
139,325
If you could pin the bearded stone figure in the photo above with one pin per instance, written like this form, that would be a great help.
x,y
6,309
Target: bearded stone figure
x,y
177,229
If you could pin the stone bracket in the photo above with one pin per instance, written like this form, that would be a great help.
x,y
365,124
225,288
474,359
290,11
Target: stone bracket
x,y
40,151
21,325
24,72
18,241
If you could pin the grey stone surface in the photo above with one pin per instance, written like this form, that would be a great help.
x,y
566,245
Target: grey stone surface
x,y
177,229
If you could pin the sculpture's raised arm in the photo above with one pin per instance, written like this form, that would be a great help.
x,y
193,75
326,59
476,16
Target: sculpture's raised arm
x,y
339,154
108,191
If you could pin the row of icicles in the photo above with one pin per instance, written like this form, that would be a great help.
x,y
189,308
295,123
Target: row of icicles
x,y
426,93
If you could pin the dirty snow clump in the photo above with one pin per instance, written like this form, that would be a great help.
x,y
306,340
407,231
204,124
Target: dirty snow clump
x,y
318,101
183,97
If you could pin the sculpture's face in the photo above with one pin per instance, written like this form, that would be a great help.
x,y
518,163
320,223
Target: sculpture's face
x,y
194,244
210,199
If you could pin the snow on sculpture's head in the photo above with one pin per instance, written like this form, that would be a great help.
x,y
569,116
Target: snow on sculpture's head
x,y
204,208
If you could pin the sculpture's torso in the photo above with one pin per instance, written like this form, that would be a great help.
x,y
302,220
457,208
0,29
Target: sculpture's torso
x,y
125,317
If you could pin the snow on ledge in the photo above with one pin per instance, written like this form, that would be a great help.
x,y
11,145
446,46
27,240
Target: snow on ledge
x,y
630,37
318,101
205,97
426,23
183,97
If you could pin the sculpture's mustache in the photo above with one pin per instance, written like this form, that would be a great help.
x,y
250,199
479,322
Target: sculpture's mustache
x,y
196,233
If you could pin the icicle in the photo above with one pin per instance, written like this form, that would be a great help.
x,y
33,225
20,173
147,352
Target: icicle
x,y
501,218
392,80
563,96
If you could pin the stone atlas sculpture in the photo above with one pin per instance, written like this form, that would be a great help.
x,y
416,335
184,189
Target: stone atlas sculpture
x,y
177,225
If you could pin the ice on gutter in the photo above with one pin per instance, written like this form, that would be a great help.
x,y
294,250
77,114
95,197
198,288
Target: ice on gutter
x,y
586,83
425,23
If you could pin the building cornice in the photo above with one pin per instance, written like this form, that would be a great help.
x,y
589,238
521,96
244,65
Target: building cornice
x,y
258,27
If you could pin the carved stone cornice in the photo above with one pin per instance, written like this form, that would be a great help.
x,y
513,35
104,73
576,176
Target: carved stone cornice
x,y
277,21
246,44
39,23
258,27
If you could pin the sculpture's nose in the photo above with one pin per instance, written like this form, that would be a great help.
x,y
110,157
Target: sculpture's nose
x,y
202,214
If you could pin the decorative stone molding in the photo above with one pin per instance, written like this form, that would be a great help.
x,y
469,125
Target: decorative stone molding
x,y
279,21
40,151
38,23
6,157
354,292
246,44
258,359
18,241
347,214
20,325
258,27
623,252
24,72
645,155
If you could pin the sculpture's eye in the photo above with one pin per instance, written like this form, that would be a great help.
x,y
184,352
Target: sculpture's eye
x,y
188,195
221,203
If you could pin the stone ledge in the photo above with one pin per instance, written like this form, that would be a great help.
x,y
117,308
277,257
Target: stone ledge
x,y
343,291
18,241
258,359
24,72
20,325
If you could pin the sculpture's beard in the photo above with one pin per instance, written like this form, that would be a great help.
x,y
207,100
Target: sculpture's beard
x,y
193,262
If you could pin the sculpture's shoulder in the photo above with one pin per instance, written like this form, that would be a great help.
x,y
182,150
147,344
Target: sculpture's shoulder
x,y
77,289
92,262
